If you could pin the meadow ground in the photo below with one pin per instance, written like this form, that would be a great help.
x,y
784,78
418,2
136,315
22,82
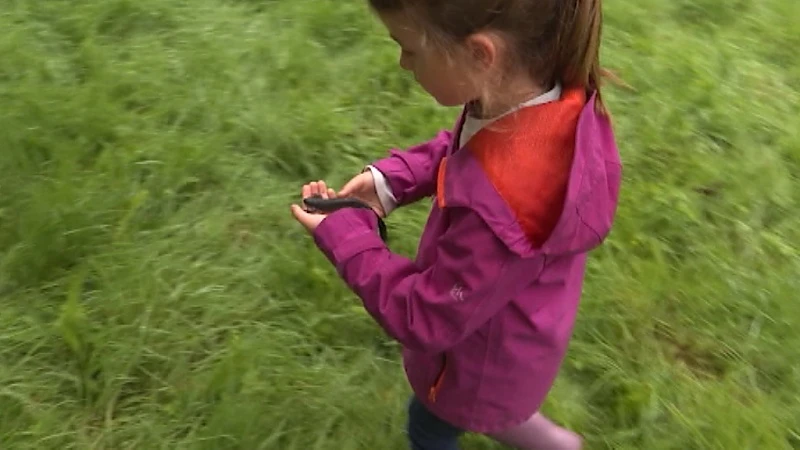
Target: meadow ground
x,y
156,293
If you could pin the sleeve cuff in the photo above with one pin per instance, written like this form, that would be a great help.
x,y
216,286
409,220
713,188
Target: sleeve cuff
x,y
346,233
385,195
397,175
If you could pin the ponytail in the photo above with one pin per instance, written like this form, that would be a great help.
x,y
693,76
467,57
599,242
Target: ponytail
x,y
578,40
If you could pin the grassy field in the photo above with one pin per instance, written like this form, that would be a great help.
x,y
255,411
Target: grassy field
x,y
156,293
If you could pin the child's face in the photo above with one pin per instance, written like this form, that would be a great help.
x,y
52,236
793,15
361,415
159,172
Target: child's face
x,y
447,79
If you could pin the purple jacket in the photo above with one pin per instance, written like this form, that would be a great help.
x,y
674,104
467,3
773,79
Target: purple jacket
x,y
484,318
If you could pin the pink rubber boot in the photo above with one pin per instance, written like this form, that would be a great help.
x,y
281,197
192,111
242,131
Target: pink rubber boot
x,y
539,433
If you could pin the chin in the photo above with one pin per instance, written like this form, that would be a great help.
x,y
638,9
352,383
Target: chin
x,y
449,102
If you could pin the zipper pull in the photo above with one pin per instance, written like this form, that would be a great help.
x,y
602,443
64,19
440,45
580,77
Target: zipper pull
x,y
434,390
432,394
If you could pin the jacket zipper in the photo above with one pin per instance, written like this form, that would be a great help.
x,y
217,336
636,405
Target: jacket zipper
x,y
437,385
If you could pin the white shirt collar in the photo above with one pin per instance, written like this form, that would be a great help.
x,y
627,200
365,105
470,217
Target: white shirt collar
x,y
472,125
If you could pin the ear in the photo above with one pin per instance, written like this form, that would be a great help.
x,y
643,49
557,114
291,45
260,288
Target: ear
x,y
482,49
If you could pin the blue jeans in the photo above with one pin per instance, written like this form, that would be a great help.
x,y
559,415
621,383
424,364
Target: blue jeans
x,y
428,432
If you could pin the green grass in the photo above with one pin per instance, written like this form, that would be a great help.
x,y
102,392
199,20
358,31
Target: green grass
x,y
156,293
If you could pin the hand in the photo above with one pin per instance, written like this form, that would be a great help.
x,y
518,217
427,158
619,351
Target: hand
x,y
312,220
362,187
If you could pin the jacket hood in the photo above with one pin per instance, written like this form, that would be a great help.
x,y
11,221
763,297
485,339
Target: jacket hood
x,y
593,190
589,203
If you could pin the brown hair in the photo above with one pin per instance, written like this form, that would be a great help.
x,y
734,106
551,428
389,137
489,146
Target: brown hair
x,y
559,40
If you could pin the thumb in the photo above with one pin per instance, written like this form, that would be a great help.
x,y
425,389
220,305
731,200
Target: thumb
x,y
299,214
351,187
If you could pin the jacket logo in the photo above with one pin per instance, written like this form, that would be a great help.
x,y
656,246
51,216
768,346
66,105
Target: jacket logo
x,y
457,292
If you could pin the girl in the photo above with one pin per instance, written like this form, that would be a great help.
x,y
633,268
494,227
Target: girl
x,y
524,187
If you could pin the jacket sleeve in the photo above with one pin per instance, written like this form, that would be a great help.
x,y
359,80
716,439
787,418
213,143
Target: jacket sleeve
x,y
428,310
411,173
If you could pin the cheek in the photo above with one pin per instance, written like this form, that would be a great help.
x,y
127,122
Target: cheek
x,y
445,92
454,86
445,83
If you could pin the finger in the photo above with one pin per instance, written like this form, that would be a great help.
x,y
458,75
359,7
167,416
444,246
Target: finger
x,y
323,189
314,188
306,191
331,193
